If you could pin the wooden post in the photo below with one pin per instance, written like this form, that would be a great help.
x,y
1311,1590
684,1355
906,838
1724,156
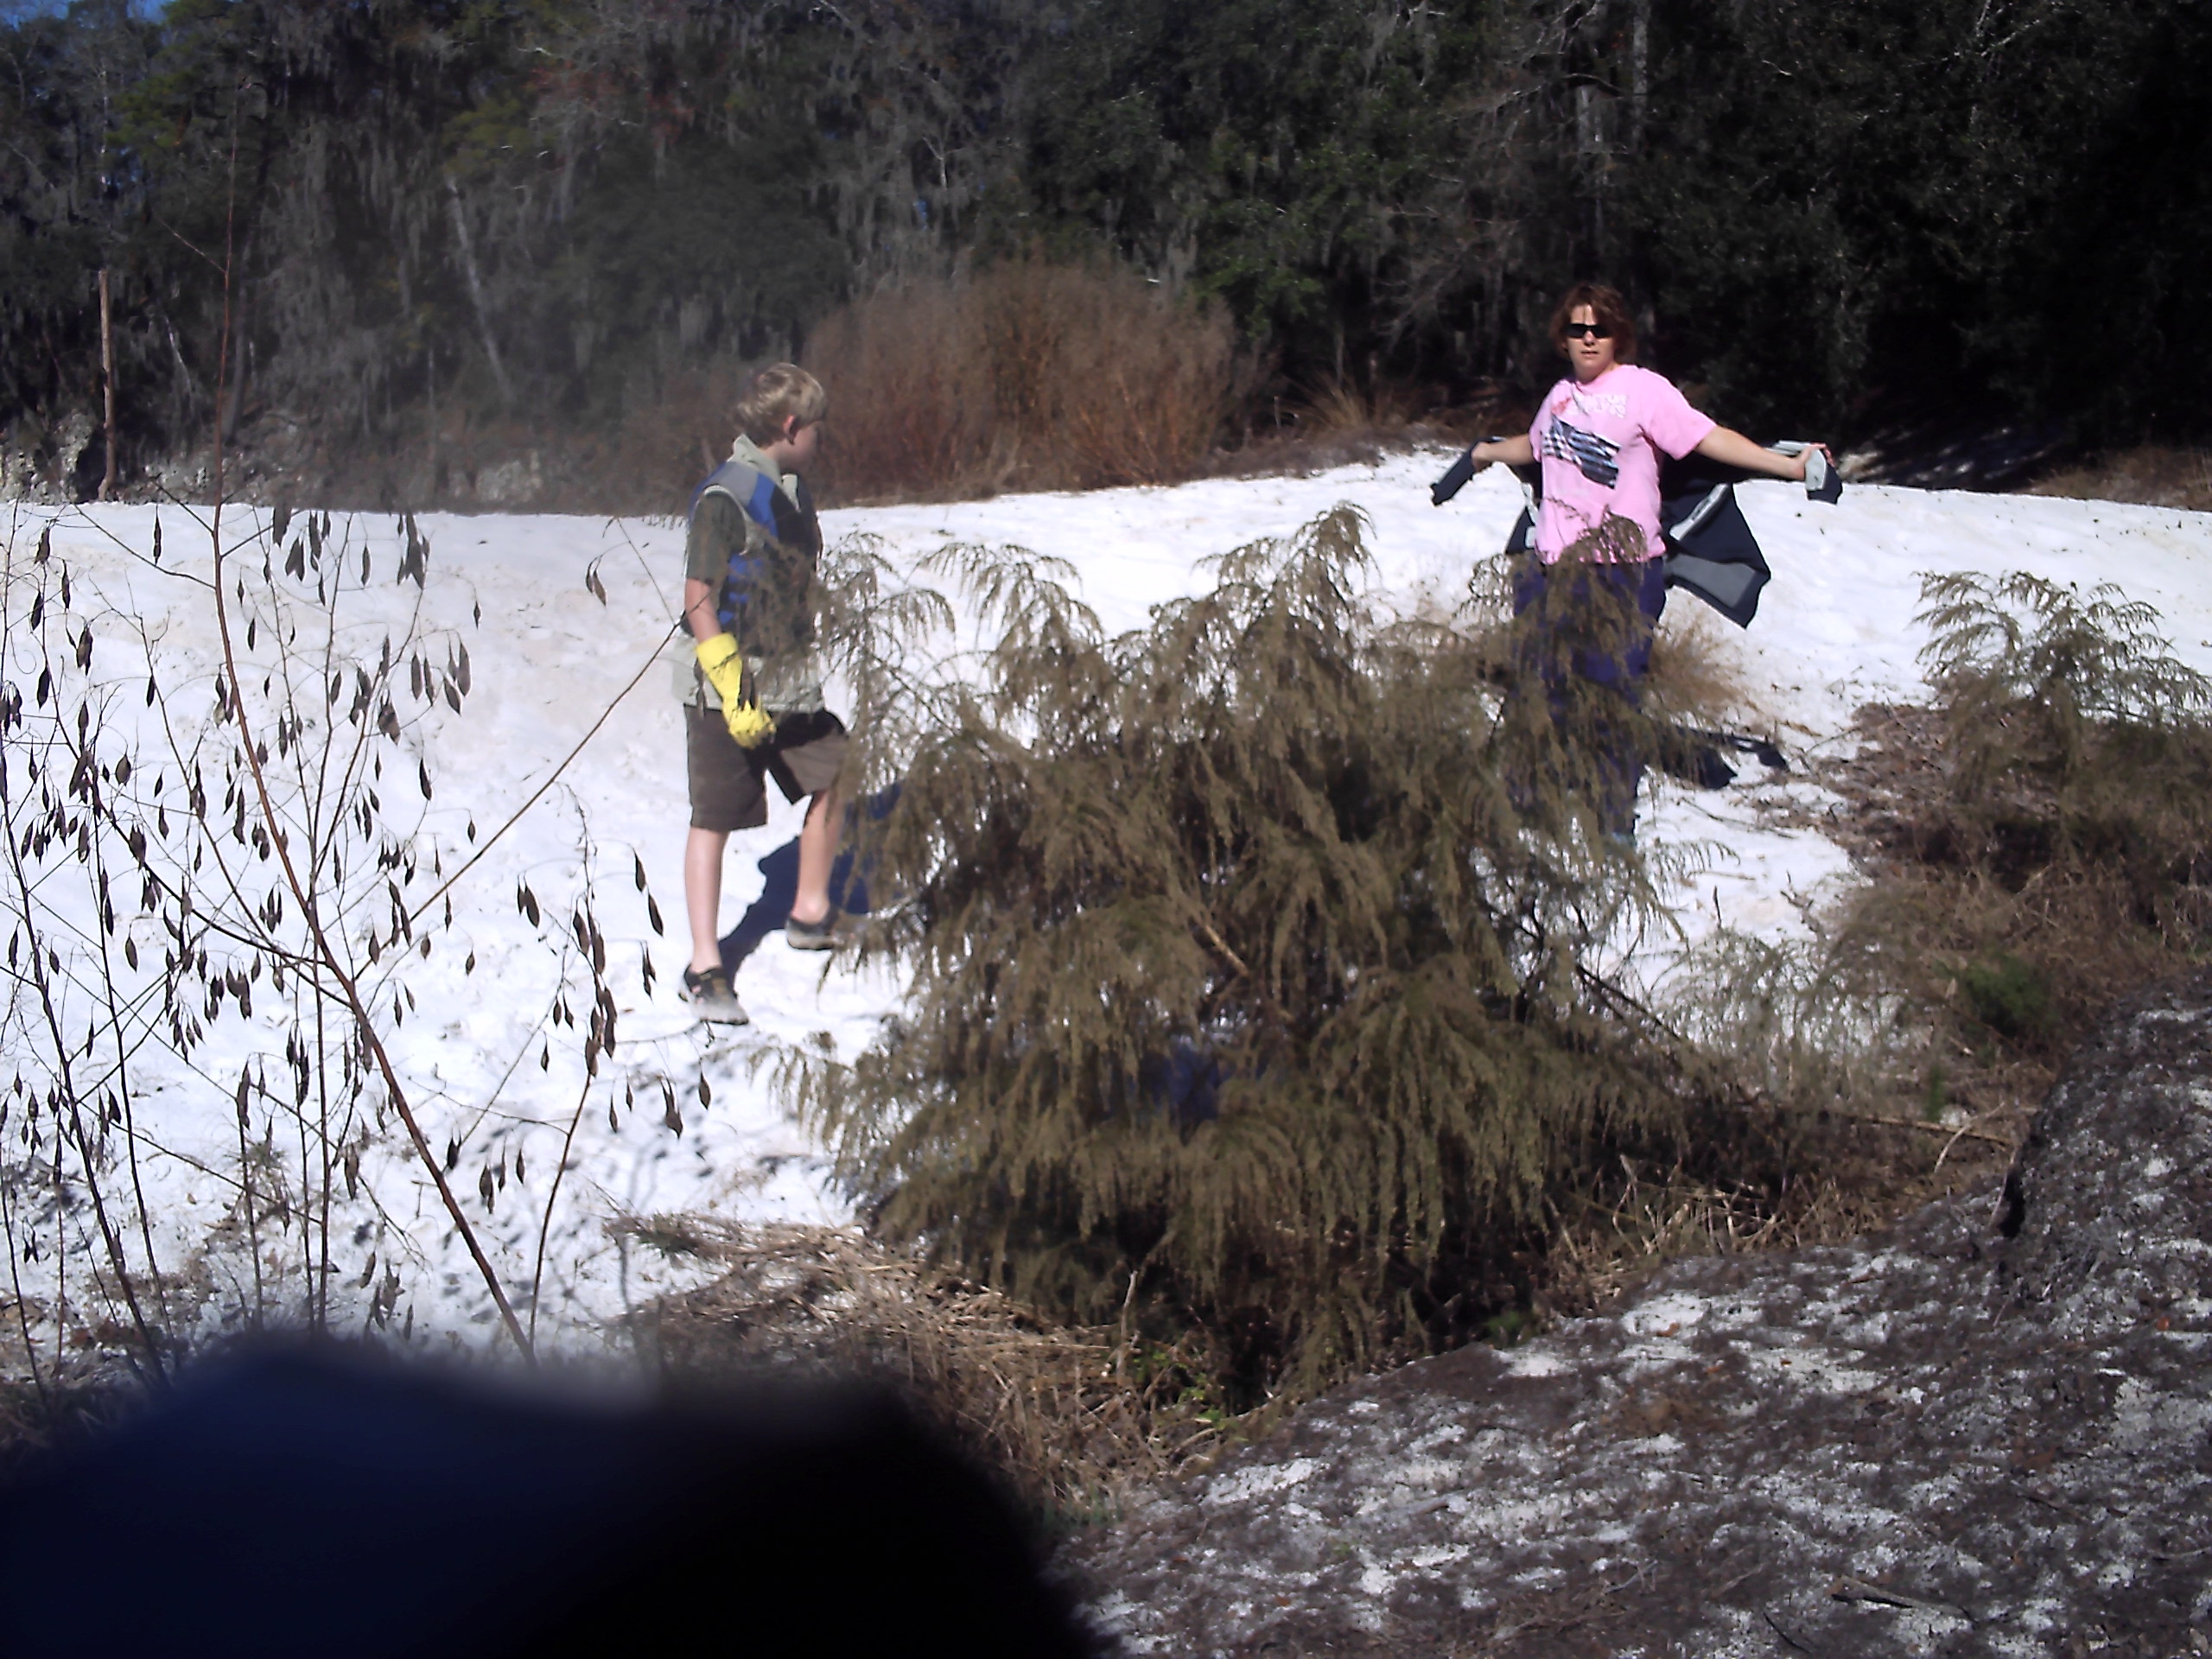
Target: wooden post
x,y
107,375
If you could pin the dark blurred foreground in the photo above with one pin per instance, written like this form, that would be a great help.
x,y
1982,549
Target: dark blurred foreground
x,y
308,1504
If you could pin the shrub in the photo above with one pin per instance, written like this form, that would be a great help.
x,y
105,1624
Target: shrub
x,y
1047,375
2040,838
910,392
1253,964
2067,856
2073,737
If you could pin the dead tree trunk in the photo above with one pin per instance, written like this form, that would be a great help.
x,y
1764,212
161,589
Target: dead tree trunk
x,y
476,293
107,378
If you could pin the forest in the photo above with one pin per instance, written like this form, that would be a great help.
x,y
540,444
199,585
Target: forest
x,y
399,240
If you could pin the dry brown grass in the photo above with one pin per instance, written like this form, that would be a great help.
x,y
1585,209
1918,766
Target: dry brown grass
x,y
1072,1416
2159,475
1610,1240
1341,405
1697,670
1766,1178
1028,374
1903,1049
1908,1042
1342,423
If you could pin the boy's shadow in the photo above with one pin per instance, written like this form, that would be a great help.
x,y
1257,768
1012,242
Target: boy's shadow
x,y
768,914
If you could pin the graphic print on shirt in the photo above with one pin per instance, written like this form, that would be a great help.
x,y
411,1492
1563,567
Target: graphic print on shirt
x,y
1599,460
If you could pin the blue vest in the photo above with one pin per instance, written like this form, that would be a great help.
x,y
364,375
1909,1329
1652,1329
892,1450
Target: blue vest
x,y
788,523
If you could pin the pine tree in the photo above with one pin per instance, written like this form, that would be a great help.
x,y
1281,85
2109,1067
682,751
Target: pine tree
x,y
1252,956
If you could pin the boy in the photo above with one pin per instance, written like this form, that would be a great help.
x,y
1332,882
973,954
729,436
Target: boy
x,y
752,697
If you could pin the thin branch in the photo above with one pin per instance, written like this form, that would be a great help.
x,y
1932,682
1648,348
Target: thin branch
x,y
545,1223
348,987
551,778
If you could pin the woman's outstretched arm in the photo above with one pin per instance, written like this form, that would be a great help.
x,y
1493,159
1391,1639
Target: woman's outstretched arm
x,y
1733,449
1515,451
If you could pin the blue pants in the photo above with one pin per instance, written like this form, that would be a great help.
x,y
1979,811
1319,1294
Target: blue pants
x,y
1647,583
1619,664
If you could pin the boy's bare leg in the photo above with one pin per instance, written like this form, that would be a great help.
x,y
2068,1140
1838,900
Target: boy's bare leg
x,y
817,851
703,893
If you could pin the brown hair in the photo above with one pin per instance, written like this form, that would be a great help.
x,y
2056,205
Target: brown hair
x,y
779,393
1611,310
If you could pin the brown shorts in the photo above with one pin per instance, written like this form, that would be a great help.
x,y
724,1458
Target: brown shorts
x,y
728,785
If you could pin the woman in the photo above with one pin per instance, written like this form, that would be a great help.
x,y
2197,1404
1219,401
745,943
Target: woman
x,y
1600,433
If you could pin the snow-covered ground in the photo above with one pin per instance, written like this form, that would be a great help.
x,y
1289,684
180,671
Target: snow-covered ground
x,y
548,657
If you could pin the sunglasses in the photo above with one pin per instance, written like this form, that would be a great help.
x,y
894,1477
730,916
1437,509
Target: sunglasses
x,y
1577,330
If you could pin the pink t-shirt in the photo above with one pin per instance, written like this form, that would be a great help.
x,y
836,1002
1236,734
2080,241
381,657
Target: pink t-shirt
x,y
1599,447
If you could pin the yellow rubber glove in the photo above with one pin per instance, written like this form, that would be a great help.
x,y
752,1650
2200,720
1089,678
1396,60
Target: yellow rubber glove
x,y
748,721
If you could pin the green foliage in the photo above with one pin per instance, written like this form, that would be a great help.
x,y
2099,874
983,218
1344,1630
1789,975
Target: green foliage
x,y
1379,191
1950,200
1253,961
65,201
555,214
1508,1329
702,246
507,211
1277,145
1936,1097
2006,994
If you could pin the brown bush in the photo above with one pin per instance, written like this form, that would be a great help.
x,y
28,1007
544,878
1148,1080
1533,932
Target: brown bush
x,y
2159,475
1697,670
1029,373
909,398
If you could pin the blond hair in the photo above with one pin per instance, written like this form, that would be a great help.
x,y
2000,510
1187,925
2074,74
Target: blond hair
x,y
775,395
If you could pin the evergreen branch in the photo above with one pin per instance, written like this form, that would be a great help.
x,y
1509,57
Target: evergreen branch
x,y
1222,945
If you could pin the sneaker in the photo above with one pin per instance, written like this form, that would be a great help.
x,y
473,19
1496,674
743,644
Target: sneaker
x,y
827,934
712,999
